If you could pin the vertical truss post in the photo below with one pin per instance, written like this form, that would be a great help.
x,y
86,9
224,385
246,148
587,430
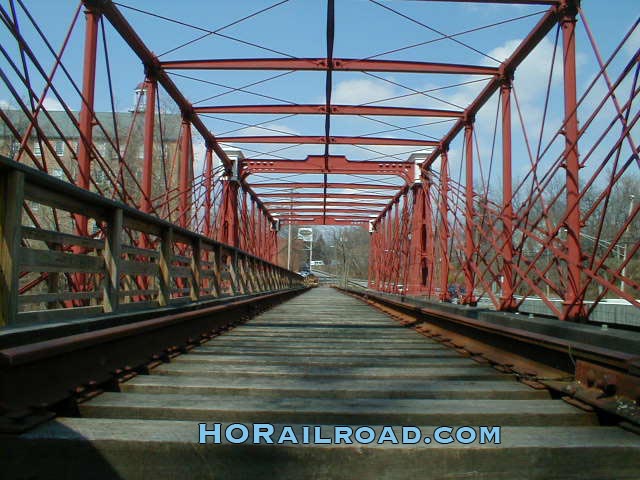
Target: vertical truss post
x,y
428,244
385,253
185,175
404,244
229,231
251,229
85,120
394,248
444,224
208,187
147,163
244,237
415,284
383,265
381,232
373,240
264,236
507,302
149,89
273,244
469,246
85,126
573,299
260,235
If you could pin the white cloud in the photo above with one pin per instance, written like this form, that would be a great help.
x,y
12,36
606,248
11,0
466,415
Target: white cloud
x,y
4,104
633,43
532,75
52,104
199,149
361,91
270,129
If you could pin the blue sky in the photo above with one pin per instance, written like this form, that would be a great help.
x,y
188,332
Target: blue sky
x,y
363,29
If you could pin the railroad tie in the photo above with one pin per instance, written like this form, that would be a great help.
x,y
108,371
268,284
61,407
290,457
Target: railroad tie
x,y
327,359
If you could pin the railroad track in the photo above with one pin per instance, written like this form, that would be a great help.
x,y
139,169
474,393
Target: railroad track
x,y
323,358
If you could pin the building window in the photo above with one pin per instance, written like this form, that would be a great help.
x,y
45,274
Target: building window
x,y
103,148
100,177
57,172
36,148
15,148
59,148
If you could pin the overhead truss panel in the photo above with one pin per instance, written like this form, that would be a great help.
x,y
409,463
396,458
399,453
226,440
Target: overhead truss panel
x,y
306,203
324,64
335,164
333,109
319,185
354,196
315,140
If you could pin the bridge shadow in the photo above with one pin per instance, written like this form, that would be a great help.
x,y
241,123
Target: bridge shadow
x,y
53,451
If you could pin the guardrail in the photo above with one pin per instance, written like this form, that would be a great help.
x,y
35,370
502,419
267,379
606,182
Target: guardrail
x,y
50,275
588,366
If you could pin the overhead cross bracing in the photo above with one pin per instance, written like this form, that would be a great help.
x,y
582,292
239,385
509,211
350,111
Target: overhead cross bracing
x,y
518,118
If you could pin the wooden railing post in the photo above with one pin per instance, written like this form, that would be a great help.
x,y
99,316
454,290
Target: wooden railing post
x,y
166,257
196,268
11,199
112,261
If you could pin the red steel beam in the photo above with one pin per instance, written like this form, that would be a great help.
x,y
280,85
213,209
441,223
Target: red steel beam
x,y
85,121
335,164
321,140
209,187
507,300
302,203
333,109
355,196
185,175
326,221
298,210
504,2
443,208
331,213
295,185
147,164
573,308
469,214
154,69
544,26
324,64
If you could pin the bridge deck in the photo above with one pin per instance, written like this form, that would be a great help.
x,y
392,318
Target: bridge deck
x,y
324,358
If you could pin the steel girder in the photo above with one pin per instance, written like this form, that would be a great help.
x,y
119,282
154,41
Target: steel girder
x,y
325,64
333,164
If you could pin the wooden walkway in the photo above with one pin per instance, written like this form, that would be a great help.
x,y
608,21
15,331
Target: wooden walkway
x,y
324,358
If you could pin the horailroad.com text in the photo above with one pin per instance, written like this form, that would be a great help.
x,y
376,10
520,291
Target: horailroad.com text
x,y
265,433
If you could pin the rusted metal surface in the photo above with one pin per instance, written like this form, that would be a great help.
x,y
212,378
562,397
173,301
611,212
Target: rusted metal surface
x,y
598,377
178,266
40,378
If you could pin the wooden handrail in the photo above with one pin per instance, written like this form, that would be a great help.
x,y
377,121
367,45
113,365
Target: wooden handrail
x,y
213,269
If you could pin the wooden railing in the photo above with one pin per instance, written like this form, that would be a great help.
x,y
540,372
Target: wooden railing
x,y
48,274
